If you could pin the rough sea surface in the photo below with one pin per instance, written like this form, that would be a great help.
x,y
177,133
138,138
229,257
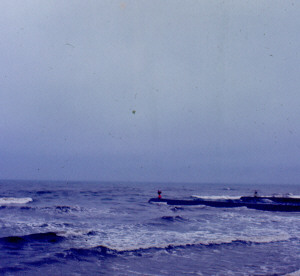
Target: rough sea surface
x,y
78,228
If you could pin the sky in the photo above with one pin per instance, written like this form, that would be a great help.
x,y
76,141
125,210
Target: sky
x,y
165,91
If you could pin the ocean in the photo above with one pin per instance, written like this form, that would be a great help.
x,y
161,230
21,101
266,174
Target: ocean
x,y
109,228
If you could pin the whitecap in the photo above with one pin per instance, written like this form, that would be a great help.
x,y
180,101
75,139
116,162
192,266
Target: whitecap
x,y
14,200
295,273
216,197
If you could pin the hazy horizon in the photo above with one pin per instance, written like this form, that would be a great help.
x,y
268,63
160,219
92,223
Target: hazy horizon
x,y
227,185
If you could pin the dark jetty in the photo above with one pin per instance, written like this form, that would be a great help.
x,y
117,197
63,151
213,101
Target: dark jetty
x,y
265,203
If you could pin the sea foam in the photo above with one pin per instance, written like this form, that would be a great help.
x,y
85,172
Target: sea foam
x,y
14,200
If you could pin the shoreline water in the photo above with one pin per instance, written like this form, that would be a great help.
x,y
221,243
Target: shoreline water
x,y
111,229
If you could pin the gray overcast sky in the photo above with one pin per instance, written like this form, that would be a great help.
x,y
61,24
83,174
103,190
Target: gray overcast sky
x,y
214,86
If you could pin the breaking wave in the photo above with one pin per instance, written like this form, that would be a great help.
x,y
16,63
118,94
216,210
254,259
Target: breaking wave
x,y
102,251
216,197
14,200
13,203
295,273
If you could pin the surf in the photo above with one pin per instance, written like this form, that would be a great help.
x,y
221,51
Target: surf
x,y
15,200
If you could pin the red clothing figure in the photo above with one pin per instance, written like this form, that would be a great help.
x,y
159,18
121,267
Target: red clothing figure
x,y
159,194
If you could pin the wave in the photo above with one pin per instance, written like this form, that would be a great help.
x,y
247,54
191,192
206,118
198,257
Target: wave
x,y
63,209
81,254
16,241
172,218
12,207
292,196
44,192
68,209
217,197
14,200
228,189
213,197
295,273
11,204
176,209
102,251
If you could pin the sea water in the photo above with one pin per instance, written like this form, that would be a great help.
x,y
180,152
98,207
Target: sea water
x,y
97,228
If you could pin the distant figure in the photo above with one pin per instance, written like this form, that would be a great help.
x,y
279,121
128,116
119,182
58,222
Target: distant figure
x,y
159,194
255,193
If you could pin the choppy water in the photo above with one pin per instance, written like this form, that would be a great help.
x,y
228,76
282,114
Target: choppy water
x,y
60,228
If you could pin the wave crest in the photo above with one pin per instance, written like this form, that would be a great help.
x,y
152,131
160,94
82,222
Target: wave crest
x,y
14,200
106,251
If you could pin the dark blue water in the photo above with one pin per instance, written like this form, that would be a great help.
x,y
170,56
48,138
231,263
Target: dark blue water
x,y
60,228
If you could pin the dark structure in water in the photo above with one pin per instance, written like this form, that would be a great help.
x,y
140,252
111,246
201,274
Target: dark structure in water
x,y
265,203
